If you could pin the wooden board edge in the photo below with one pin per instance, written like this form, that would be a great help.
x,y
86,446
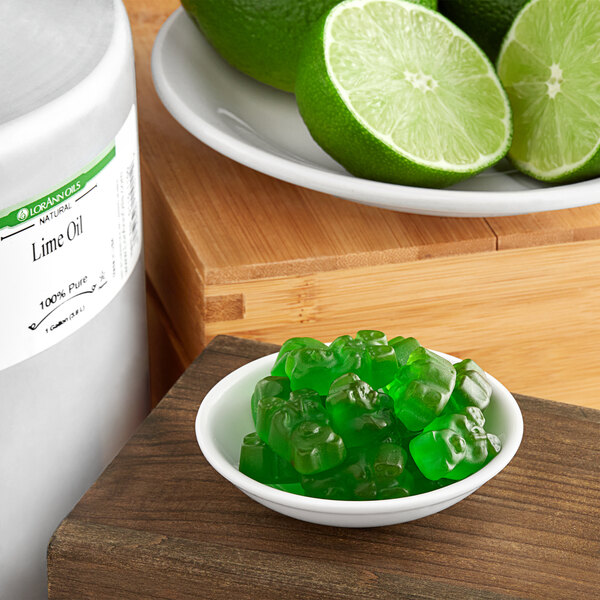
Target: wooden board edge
x,y
88,560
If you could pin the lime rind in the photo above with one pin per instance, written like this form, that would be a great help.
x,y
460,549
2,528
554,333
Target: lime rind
x,y
549,63
410,91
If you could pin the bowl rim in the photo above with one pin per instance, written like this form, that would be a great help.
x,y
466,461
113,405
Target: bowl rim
x,y
351,507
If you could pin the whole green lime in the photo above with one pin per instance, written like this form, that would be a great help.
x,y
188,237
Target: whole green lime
x,y
485,21
261,38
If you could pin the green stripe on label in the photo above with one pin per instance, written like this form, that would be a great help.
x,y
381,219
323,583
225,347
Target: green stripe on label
x,y
29,211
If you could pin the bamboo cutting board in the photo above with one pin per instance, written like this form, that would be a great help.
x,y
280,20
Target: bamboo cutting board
x,y
230,250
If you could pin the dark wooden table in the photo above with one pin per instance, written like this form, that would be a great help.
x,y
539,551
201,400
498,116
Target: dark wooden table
x,y
161,523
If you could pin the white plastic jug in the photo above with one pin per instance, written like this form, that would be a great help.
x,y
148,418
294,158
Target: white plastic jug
x,y
73,342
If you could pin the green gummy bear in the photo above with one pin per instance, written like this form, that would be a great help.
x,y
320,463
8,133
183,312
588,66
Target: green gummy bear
x,y
316,447
268,387
421,484
389,461
392,478
469,447
351,480
403,347
372,337
368,356
422,388
368,473
289,426
471,388
276,418
382,365
291,345
259,462
313,368
350,355
436,453
358,413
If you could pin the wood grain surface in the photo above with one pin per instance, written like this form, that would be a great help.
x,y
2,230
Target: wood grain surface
x,y
230,250
161,523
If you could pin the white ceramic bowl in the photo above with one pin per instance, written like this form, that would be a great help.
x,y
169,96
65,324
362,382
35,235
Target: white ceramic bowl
x,y
224,418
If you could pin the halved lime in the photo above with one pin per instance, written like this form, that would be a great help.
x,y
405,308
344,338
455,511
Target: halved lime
x,y
549,64
396,92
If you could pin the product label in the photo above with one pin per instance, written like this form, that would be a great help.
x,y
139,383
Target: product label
x,y
65,255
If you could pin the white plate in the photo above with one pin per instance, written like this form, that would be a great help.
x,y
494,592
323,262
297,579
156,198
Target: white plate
x,y
261,127
224,418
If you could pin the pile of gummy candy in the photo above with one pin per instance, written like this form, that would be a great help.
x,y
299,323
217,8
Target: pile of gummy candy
x,y
367,419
